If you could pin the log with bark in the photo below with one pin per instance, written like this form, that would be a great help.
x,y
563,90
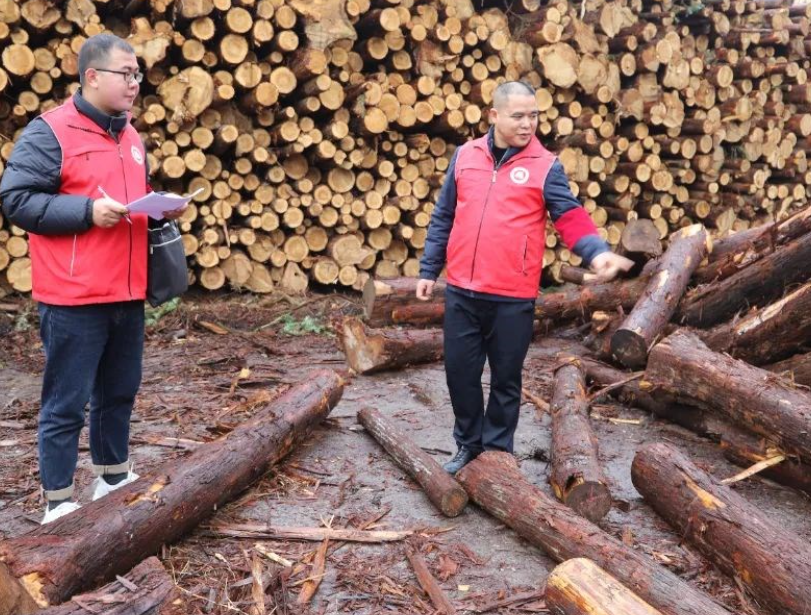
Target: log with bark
x,y
368,350
796,369
768,334
752,398
439,486
579,587
761,282
576,475
394,302
111,535
494,482
770,562
645,323
147,589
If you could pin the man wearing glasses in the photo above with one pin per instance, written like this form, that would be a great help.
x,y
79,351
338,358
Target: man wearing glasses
x,y
69,176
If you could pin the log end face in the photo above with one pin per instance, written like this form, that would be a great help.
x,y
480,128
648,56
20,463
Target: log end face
x,y
361,350
629,348
454,502
589,499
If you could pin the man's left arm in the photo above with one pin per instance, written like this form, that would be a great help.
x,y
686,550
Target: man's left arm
x,y
576,227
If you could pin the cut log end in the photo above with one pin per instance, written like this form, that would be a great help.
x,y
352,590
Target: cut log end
x,y
363,353
590,499
629,348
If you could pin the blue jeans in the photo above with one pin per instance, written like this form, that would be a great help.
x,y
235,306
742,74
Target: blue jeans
x,y
92,353
499,332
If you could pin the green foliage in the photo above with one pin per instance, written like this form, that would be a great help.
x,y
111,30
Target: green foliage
x,y
305,326
153,315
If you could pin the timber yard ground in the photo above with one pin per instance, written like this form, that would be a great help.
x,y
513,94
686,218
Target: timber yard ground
x,y
211,361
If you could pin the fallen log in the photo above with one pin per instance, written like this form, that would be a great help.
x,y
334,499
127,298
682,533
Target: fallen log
x,y
369,351
394,302
111,535
580,587
736,252
650,315
763,281
768,334
443,491
772,564
495,483
796,368
147,589
752,398
576,476
582,301
740,447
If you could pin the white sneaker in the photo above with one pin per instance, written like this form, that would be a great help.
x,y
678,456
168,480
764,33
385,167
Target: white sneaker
x,y
101,487
60,511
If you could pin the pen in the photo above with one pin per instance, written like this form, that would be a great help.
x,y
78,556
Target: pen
x,y
107,196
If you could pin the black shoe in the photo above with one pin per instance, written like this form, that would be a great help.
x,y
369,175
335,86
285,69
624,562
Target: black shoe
x,y
463,457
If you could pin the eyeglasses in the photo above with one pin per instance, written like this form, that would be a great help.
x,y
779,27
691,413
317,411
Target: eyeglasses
x,y
128,77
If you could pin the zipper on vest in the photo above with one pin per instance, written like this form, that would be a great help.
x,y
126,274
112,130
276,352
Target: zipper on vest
x,y
496,167
127,197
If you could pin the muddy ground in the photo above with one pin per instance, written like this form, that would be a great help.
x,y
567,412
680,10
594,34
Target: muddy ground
x,y
196,387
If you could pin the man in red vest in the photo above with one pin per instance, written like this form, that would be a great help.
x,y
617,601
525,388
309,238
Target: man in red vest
x,y
69,176
489,228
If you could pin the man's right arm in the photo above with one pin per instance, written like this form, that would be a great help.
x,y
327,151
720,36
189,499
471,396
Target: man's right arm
x,y
439,230
29,189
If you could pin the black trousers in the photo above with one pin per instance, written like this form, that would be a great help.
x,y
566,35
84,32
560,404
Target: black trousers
x,y
500,332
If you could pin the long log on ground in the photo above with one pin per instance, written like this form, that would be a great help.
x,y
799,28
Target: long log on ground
x,y
147,589
652,312
580,587
738,251
495,483
796,369
752,398
445,493
110,536
772,564
768,334
394,302
368,351
740,447
581,302
576,475
761,282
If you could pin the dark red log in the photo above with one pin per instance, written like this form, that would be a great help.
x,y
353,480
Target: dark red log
x,y
772,564
733,253
752,398
368,351
576,475
149,590
394,301
113,534
796,369
445,493
652,312
768,334
762,282
495,483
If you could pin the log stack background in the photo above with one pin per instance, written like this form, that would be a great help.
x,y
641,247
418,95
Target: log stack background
x,y
320,130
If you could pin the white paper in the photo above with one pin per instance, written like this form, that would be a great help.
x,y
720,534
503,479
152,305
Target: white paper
x,y
154,204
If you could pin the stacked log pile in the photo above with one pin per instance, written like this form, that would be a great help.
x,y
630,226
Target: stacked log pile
x,y
320,131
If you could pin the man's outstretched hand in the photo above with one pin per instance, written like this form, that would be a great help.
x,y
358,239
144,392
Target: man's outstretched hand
x,y
425,289
606,266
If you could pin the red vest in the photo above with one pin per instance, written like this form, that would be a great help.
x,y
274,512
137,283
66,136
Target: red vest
x,y
102,265
498,237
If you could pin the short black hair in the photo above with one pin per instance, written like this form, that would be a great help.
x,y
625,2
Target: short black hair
x,y
96,50
511,88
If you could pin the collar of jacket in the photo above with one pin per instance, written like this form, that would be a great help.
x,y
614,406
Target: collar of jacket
x,y
530,150
111,124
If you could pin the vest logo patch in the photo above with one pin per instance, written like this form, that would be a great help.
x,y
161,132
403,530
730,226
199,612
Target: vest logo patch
x,y
136,155
519,175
